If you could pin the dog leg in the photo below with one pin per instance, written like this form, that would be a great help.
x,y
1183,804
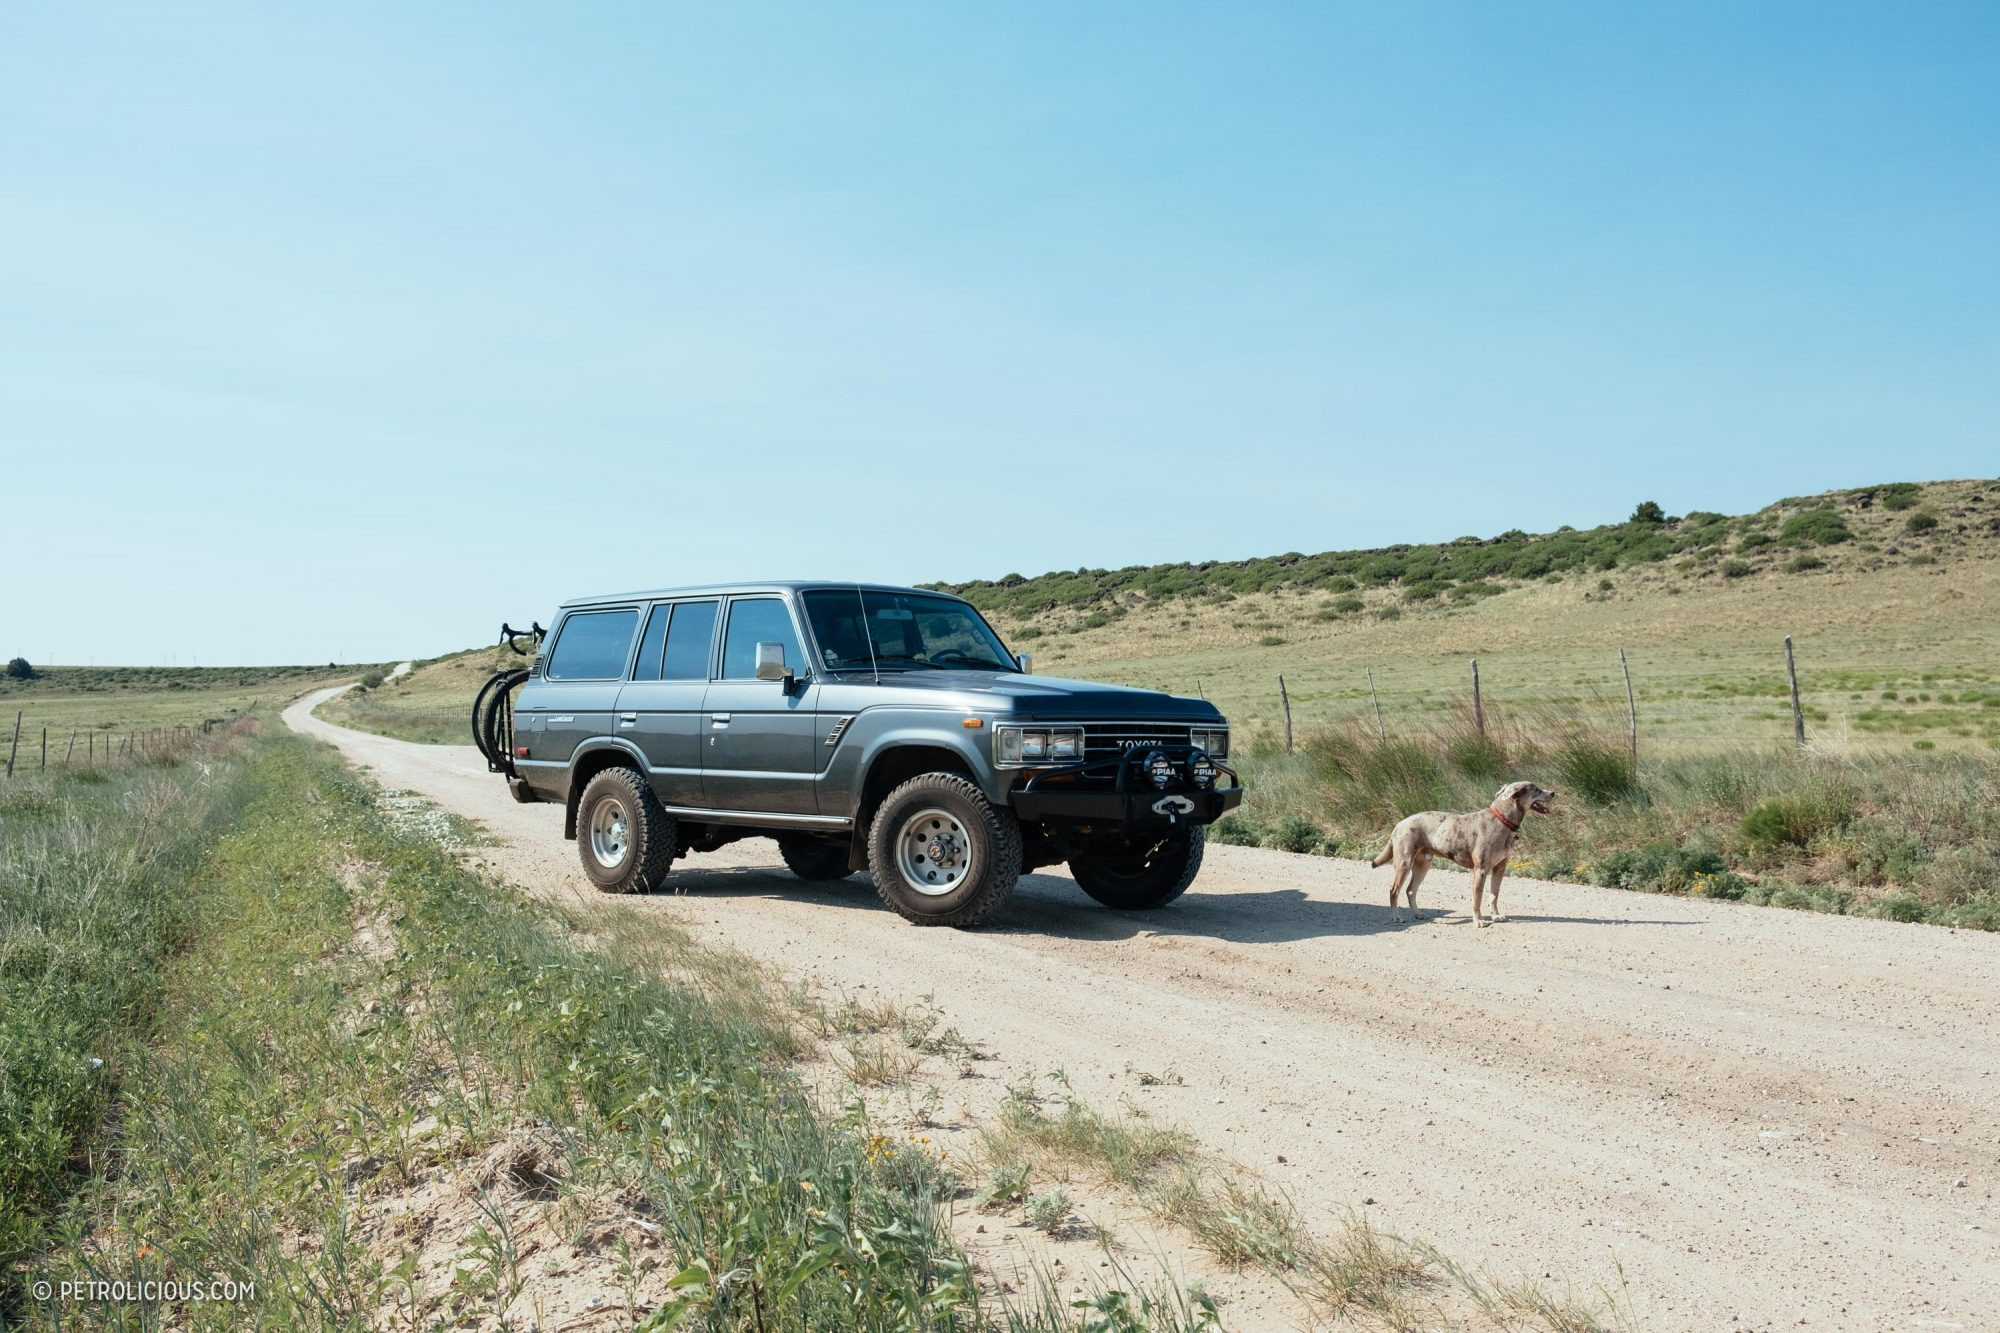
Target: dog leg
x,y
1478,890
1416,877
1493,884
1396,891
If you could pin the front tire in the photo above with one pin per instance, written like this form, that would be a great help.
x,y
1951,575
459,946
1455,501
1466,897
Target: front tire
x,y
626,841
815,859
1143,872
941,854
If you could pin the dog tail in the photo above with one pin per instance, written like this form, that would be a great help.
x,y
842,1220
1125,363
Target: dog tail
x,y
1388,855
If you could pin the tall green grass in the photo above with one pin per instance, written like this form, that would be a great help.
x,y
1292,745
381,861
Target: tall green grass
x,y
1910,838
94,865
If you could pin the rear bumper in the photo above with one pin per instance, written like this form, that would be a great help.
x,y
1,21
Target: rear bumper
x,y
1060,806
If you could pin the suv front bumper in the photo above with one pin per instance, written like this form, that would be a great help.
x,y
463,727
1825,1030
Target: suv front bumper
x,y
1070,805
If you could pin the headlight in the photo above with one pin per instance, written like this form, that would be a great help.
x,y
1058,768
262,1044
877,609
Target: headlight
x,y
1201,768
1018,747
1215,740
1160,769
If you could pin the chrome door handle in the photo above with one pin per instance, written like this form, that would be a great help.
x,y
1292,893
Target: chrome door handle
x,y
718,719
628,719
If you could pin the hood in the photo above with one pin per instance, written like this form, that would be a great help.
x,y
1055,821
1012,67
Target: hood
x,y
1038,697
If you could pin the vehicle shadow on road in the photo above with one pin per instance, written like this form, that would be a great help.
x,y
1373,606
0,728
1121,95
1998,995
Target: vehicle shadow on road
x,y
1053,905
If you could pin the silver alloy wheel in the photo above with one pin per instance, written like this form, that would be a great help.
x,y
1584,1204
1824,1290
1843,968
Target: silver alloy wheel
x,y
933,852
610,833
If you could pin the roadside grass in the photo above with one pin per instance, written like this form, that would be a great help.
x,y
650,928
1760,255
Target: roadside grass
x,y
386,1090
1829,828
92,867
1359,1275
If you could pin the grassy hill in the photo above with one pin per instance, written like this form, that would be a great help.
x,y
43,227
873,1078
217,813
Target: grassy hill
x,y
1891,593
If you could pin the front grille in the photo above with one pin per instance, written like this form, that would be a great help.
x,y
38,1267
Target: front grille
x,y
1110,740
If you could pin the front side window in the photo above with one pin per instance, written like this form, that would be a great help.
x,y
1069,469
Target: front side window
x,y
753,621
688,642
592,645
866,627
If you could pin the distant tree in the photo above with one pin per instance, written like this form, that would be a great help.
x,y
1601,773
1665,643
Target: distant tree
x,y
1649,512
19,669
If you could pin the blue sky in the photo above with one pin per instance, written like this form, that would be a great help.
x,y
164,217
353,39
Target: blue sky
x,y
349,332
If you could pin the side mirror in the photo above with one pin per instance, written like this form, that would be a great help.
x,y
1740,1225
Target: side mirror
x,y
1025,661
771,663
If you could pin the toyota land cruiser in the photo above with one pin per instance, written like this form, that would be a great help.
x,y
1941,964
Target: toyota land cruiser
x,y
861,727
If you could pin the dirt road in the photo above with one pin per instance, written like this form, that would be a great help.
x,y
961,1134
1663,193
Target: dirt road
x,y
1758,1118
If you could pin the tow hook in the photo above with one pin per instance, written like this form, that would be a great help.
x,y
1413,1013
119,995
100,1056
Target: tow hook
x,y
1173,805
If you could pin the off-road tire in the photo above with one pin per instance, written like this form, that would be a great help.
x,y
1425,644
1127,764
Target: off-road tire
x,y
1164,876
993,848
815,859
649,834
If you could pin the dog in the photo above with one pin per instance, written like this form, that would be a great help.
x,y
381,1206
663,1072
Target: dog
x,y
1481,842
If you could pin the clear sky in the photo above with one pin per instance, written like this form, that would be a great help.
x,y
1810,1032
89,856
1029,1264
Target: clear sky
x,y
349,331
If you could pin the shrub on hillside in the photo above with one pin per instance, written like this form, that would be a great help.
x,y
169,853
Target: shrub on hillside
x,y
1648,512
1737,569
1921,521
1815,527
372,681
19,669
1803,563
1899,494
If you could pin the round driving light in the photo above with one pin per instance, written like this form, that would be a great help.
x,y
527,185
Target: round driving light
x,y
1201,768
1160,768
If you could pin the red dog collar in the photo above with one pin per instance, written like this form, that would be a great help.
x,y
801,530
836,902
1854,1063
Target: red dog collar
x,y
1494,810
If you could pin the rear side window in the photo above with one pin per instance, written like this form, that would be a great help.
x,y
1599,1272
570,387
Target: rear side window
x,y
648,665
688,641
592,645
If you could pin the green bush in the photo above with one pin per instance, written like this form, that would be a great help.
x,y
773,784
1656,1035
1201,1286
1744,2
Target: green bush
x,y
1293,833
1596,773
1236,830
1815,527
1899,907
19,669
1737,569
1271,641
372,681
1805,562
1797,817
1899,494
1921,521
1347,606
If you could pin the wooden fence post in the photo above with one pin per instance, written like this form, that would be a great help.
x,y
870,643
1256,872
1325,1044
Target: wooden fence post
x,y
45,748
90,750
1478,707
1631,707
1286,700
1798,714
16,745
1381,732
72,747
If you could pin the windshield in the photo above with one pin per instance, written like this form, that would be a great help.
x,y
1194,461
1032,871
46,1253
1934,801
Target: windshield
x,y
901,630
